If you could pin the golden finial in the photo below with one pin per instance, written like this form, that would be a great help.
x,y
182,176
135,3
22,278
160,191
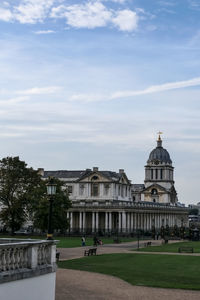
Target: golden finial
x,y
159,133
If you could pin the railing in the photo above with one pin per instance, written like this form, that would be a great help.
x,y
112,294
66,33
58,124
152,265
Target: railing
x,y
128,204
17,256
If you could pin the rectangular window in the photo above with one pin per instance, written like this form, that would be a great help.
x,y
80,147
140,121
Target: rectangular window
x,y
106,188
69,189
95,189
151,174
156,173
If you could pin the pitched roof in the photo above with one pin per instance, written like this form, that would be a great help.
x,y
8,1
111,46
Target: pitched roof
x,y
77,175
64,174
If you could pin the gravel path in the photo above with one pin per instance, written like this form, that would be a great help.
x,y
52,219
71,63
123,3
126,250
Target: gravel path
x,y
81,285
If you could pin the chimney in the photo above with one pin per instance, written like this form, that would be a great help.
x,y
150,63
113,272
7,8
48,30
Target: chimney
x,y
41,171
95,169
121,171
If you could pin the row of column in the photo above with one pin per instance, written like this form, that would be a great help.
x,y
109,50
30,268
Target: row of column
x,y
123,221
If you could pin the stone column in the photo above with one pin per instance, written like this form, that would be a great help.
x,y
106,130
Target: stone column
x,y
123,221
93,221
119,222
128,221
84,225
71,221
110,221
135,221
80,222
97,221
106,221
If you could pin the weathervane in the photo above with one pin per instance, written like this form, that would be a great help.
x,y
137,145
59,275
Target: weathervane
x,y
159,133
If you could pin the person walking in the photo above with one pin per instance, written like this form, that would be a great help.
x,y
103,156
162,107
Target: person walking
x,y
83,241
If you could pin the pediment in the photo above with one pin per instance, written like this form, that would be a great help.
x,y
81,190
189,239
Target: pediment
x,y
94,177
158,187
124,179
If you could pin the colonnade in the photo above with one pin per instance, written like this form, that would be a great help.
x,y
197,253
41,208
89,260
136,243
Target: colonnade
x,y
121,221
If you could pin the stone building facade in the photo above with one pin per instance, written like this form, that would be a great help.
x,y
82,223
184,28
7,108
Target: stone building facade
x,y
107,202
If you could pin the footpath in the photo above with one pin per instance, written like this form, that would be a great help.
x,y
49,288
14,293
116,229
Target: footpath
x,y
73,284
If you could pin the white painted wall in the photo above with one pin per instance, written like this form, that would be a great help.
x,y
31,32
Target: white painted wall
x,y
35,288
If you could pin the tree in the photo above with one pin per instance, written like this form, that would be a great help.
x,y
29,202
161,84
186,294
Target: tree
x,y
18,187
61,204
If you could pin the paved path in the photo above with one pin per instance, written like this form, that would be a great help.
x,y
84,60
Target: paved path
x,y
71,253
81,285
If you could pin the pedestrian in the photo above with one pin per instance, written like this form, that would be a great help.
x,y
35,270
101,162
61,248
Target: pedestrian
x,y
83,241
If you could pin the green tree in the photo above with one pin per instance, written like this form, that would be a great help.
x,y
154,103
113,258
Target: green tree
x,y
61,204
18,187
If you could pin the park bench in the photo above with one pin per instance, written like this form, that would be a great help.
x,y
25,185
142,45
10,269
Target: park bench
x,y
90,251
185,249
117,241
147,244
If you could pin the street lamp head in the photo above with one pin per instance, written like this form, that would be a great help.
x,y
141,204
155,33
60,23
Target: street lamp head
x,y
51,187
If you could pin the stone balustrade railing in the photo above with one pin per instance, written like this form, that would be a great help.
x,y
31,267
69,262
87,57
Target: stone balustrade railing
x,y
26,258
128,204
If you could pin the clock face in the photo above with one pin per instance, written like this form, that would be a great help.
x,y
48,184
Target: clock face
x,y
156,162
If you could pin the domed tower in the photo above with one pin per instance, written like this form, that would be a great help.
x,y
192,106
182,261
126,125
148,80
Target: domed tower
x,y
159,176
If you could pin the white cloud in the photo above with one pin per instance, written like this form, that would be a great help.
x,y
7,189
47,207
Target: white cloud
x,y
95,14
123,94
90,14
44,31
126,20
32,11
158,88
5,15
40,91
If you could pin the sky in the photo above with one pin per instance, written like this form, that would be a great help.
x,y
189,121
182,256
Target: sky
x,y
90,83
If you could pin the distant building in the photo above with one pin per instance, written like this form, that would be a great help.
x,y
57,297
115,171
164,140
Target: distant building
x,y
106,201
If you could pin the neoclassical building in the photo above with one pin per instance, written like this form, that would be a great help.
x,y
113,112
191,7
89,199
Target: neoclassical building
x,y
107,202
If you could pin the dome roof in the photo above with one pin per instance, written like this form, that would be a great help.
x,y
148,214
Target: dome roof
x,y
159,154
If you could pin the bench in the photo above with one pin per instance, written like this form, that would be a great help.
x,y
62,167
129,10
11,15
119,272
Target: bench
x,y
147,244
117,241
186,249
91,251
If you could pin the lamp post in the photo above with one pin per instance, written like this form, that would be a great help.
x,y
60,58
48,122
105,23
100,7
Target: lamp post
x,y
51,191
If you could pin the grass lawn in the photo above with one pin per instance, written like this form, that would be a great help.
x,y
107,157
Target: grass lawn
x,y
172,247
166,271
71,242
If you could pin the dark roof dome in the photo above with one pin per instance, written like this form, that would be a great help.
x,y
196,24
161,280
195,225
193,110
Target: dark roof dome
x,y
159,154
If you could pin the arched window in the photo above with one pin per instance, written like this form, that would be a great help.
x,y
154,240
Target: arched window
x,y
154,200
95,177
154,192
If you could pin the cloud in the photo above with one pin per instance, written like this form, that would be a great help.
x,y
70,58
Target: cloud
x,y
40,91
95,14
5,15
32,11
150,90
126,20
44,31
90,14
158,88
